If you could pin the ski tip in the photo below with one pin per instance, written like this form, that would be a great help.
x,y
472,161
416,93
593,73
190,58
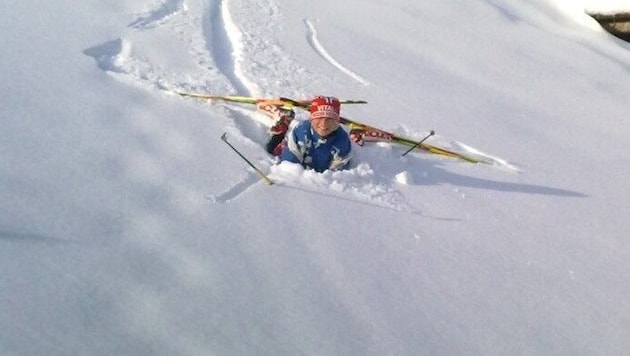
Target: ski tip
x,y
224,136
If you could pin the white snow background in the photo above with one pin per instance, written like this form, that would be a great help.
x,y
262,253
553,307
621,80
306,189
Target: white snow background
x,y
127,227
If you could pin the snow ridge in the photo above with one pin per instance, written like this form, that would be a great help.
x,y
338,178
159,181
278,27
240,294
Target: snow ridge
x,y
224,41
111,55
360,184
317,46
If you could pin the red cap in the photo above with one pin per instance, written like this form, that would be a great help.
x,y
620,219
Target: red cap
x,y
325,106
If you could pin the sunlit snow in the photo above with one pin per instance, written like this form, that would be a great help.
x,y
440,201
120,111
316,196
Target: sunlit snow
x,y
128,227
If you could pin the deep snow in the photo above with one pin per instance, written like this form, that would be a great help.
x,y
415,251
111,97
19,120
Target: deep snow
x,y
128,227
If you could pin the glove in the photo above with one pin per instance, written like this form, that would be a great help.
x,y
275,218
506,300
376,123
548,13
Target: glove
x,y
356,136
282,124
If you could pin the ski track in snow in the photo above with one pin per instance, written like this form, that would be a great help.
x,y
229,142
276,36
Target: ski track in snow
x,y
217,48
317,46
224,41
155,17
117,57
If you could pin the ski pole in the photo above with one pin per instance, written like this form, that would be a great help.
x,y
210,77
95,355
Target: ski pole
x,y
419,143
263,175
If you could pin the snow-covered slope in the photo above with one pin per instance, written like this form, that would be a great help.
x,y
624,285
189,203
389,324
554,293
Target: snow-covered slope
x,y
128,227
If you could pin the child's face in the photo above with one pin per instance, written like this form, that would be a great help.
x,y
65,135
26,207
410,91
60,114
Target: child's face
x,y
324,126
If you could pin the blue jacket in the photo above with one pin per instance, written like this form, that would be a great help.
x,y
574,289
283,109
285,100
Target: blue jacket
x,y
306,147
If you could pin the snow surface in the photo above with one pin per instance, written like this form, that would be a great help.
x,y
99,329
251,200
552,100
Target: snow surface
x,y
127,227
